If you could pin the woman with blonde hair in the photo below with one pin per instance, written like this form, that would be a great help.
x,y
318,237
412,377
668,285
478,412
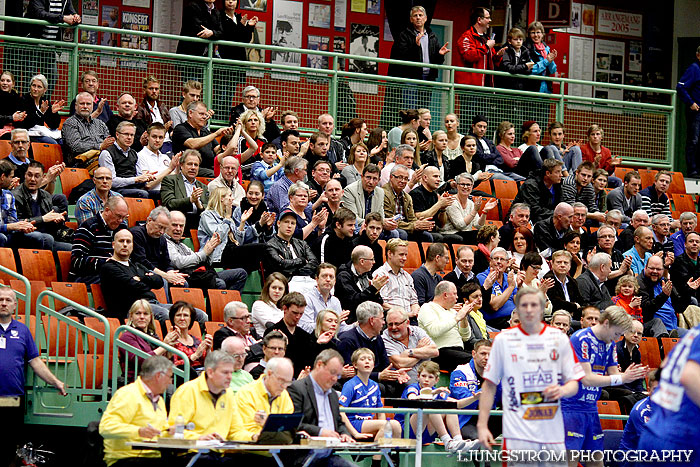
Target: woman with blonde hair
x,y
454,138
217,222
140,317
626,296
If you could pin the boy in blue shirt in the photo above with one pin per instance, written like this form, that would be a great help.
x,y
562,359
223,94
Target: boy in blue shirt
x,y
360,391
595,350
445,426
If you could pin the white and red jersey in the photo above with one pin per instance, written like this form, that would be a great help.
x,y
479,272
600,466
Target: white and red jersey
x,y
525,365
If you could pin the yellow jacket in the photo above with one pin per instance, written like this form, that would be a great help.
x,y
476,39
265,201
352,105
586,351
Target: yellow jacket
x,y
194,402
249,399
129,410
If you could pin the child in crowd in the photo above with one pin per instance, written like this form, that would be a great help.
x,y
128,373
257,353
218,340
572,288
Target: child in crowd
x,y
445,426
360,391
516,59
266,171
627,289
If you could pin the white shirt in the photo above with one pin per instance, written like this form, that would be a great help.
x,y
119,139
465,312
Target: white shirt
x,y
525,365
149,161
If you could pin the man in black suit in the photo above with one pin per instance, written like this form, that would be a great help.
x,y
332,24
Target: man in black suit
x,y
314,397
565,294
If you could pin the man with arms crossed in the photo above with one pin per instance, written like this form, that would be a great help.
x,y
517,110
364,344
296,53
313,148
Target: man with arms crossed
x,y
529,360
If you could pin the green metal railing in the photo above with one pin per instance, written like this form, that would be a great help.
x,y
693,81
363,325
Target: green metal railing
x,y
26,296
640,132
127,351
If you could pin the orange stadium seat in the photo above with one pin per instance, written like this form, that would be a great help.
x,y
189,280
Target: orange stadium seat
x,y
96,345
71,177
213,326
647,177
5,148
7,259
98,300
38,265
610,408
683,202
47,154
64,262
160,295
190,295
36,288
75,291
195,239
218,300
651,355
668,343
505,189
139,209
677,183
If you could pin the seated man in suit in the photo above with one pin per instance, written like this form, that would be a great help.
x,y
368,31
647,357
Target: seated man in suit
x,y
314,397
365,196
565,294
183,192
355,283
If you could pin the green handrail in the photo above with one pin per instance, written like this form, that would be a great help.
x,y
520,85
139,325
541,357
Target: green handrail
x,y
117,343
26,296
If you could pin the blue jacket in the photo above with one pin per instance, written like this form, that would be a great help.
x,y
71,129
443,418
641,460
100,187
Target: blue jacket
x,y
687,87
543,67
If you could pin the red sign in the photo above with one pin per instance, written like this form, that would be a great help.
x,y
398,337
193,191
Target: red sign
x,y
554,13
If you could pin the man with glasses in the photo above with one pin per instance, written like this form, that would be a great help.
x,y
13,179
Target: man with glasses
x,y
136,412
367,334
83,135
274,345
355,282
398,205
251,101
126,112
475,50
277,197
92,242
301,345
228,178
237,319
315,398
236,349
20,142
120,158
91,203
405,155
194,134
267,395
661,299
406,346
620,264
151,248
503,285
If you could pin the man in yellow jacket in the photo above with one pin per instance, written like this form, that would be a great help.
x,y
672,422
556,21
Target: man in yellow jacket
x,y
255,401
137,412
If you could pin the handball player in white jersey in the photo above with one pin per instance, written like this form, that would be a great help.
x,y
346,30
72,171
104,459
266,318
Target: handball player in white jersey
x,y
536,367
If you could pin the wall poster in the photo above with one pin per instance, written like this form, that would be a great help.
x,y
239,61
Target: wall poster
x,y
364,40
287,24
609,67
340,20
256,5
135,22
321,43
581,64
588,19
319,15
257,55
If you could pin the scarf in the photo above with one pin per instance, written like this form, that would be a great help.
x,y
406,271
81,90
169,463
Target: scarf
x,y
478,318
541,48
485,251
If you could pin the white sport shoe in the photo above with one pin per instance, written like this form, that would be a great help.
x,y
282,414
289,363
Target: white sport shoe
x,y
471,445
455,445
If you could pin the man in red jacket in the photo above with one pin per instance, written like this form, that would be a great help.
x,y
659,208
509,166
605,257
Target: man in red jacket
x,y
475,50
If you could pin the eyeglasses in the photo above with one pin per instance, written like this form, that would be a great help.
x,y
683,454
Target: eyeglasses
x,y
238,355
245,317
367,259
400,178
395,325
251,97
275,349
283,382
465,185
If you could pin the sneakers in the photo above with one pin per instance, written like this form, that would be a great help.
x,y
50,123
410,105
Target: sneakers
x,y
455,445
471,445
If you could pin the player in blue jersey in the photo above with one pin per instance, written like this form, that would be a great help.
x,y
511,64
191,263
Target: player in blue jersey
x,y
674,420
465,386
360,391
445,426
638,419
595,350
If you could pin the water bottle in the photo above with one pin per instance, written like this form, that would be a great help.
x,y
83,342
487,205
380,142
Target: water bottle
x,y
179,427
388,433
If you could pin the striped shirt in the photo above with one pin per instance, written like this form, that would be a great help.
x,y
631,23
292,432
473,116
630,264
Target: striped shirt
x,y
571,195
51,32
92,246
654,204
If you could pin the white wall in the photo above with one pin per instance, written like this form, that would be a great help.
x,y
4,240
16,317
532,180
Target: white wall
x,y
685,24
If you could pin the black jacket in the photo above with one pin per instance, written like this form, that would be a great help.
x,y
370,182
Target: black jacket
x,y
304,398
279,258
682,270
121,288
546,235
651,303
196,15
558,299
405,49
494,158
149,251
377,249
591,292
234,32
517,66
349,293
34,117
329,248
40,9
535,194
625,240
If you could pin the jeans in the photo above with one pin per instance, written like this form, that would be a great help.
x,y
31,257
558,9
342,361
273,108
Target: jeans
x,y
691,143
132,192
231,279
